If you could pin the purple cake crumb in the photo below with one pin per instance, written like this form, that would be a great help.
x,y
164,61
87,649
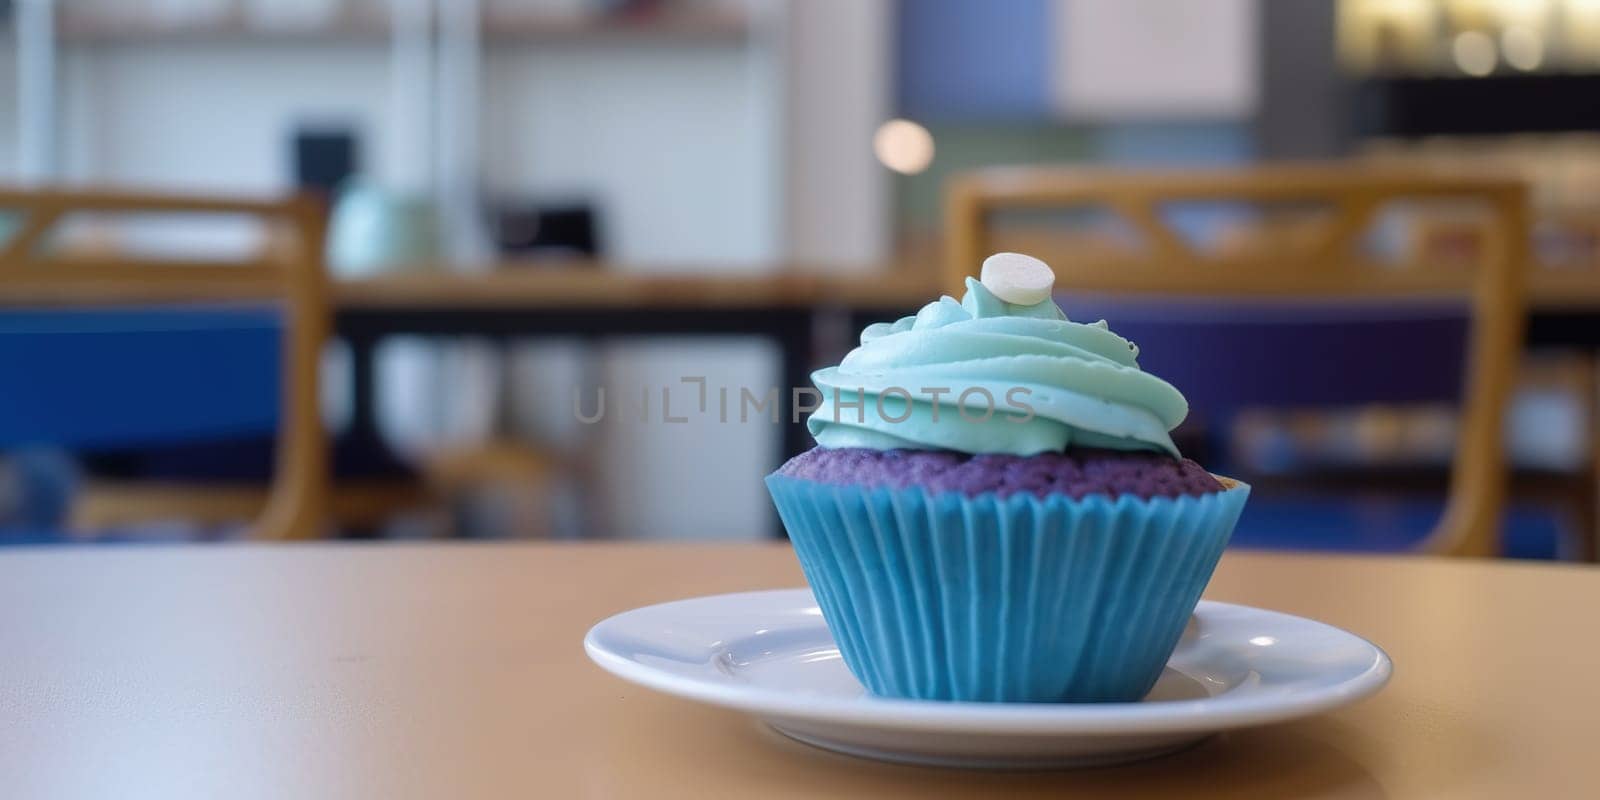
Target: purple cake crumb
x,y
1075,473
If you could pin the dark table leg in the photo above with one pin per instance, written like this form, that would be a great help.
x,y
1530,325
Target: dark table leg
x,y
793,335
363,394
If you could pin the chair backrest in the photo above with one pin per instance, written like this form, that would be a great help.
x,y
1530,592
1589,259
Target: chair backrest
x,y
1319,256
290,274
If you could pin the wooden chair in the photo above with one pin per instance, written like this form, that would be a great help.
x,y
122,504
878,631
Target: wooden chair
x,y
34,275
1312,255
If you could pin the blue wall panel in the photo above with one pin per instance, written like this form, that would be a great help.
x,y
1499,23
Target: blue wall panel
x,y
966,60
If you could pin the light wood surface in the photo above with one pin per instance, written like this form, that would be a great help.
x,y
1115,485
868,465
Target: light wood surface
x,y
357,504
1558,289
896,285
425,671
1329,207
595,284
518,287
33,273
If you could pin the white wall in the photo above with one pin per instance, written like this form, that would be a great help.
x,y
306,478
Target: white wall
x,y
672,142
839,85
1122,60
695,480
632,127
211,117
8,111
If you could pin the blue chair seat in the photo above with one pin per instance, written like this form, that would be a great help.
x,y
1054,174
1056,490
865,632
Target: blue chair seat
x,y
184,393
89,379
189,393
1231,354
15,536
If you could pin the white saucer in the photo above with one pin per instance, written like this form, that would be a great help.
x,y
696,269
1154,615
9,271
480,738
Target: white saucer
x,y
769,653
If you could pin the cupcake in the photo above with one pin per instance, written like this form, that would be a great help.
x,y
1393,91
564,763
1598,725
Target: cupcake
x,y
995,510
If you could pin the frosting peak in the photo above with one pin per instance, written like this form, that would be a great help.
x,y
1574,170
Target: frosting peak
x,y
985,376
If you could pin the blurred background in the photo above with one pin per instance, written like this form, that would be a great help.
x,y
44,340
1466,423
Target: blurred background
x,y
552,242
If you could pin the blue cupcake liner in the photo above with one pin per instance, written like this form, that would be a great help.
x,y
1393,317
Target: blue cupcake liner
x,y
1023,599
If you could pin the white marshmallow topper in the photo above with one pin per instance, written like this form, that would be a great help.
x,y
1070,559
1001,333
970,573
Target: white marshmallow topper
x,y
1017,279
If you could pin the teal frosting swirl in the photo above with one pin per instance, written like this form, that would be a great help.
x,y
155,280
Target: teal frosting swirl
x,y
1051,384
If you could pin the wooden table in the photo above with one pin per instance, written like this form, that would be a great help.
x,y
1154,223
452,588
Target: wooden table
x,y
597,302
433,670
593,300
595,285
1564,309
581,300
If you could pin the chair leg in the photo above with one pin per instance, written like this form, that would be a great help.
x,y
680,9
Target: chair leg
x,y
352,504
101,505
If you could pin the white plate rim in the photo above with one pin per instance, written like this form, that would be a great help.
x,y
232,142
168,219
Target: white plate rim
x,y
1177,716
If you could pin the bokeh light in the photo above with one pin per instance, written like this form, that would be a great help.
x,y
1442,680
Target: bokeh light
x,y
903,146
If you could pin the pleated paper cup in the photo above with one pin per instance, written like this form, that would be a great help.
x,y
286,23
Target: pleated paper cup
x,y
941,596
